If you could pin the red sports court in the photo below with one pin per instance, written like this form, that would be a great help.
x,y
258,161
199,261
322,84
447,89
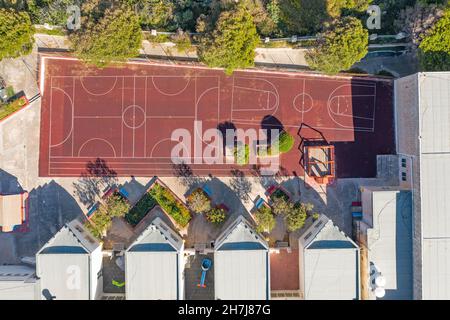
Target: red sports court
x,y
126,114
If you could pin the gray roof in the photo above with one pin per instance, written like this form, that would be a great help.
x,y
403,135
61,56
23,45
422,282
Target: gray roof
x,y
330,263
434,106
389,241
17,282
241,264
152,264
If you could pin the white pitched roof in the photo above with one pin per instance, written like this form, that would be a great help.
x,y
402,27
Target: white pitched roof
x,y
152,264
330,263
63,264
241,264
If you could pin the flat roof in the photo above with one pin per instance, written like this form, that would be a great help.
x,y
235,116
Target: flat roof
x,y
434,107
389,241
11,211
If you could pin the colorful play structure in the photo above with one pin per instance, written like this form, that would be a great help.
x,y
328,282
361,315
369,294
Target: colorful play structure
x,y
206,265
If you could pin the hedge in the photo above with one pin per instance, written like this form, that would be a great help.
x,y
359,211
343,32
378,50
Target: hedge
x,y
140,209
11,107
173,207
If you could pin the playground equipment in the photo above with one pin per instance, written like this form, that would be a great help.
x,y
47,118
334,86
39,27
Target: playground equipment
x,y
206,265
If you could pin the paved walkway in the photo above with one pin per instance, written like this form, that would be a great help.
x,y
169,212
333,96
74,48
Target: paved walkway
x,y
264,56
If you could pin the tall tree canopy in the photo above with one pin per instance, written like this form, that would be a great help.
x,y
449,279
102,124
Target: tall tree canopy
x,y
16,34
104,37
343,43
232,43
434,50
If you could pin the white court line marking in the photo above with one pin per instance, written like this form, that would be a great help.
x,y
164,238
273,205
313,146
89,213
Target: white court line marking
x,y
134,114
172,94
342,114
97,94
73,114
374,108
283,75
72,110
232,109
331,98
145,121
157,143
96,139
274,92
50,124
359,129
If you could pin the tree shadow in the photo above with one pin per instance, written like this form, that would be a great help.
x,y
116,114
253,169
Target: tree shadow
x,y
223,127
186,176
241,185
97,178
269,123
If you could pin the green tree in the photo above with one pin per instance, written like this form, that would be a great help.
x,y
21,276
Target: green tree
x,y
232,43
281,205
112,36
115,206
343,43
434,50
283,143
295,218
16,34
155,14
242,157
198,202
265,220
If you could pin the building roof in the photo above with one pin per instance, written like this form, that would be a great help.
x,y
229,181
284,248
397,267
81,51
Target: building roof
x,y
11,211
389,241
434,107
241,259
63,263
17,282
330,263
152,264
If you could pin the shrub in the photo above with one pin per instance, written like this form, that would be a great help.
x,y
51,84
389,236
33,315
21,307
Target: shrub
x,y
11,107
283,143
115,206
182,41
216,215
177,210
198,201
265,220
281,205
242,159
140,209
295,218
